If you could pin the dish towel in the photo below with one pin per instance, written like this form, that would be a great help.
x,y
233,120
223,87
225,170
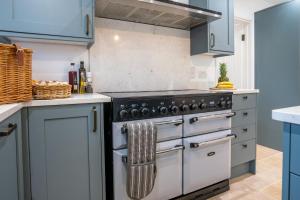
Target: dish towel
x,y
141,159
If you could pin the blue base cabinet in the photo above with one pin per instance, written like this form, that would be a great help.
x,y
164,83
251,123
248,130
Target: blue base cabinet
x,y
69,20
291,162
11,168
66,152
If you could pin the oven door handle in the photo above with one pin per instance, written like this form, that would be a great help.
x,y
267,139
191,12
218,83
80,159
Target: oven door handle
x,y
175,148
176,122
211,117
212,142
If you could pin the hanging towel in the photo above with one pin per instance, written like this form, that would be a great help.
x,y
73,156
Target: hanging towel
x,y
141,159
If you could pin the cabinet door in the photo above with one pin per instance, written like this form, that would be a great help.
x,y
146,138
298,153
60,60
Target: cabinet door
x,y
65,153
221,32
69,18
294,187
11,158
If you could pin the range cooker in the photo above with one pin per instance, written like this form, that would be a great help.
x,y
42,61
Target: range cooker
x,y
193,145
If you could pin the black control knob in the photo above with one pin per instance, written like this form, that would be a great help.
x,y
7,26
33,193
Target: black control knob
x,y
145,111
134,112
222,104
174,109
203,106
163,110
229,103
193,106
123,114
184,108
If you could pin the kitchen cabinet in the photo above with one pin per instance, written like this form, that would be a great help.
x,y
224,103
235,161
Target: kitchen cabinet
x,y
68,20
66,153
291,170
243,152
214,38
11,168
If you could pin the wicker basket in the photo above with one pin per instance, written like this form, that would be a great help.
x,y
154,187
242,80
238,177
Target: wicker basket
x,y
44,92
15,74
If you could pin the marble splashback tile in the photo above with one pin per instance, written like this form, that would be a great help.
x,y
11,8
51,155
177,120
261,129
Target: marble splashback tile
x,y
130,57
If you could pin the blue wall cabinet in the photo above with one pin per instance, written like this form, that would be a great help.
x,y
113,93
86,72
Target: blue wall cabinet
x,y
215,38
66,152
11,170
51,19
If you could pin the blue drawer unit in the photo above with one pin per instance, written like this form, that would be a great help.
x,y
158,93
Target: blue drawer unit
x,y
51,19
11,168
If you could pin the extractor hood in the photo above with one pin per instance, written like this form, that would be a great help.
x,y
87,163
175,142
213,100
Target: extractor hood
x,y
167,13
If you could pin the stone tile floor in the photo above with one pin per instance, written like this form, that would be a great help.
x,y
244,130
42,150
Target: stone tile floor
x,y
265,185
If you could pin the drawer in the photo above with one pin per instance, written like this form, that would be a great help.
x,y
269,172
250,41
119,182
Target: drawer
x,y
244,133
295,149
243,152
294,187
243,101
244,117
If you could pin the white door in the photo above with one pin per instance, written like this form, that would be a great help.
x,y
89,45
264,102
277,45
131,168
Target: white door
x,y
239,65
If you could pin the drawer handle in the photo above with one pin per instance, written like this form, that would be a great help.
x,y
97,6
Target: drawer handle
x,y
211,154
245,114
245,146
245,130
95,119
245,97
10,129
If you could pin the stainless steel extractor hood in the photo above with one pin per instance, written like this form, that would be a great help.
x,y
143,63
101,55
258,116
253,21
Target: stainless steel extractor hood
x,y
167,13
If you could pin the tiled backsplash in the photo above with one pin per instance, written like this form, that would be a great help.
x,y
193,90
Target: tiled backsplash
x,y
128,56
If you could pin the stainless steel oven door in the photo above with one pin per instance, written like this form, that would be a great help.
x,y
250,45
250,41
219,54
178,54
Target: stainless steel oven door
x,y
206,160
168,182
168,128
202,123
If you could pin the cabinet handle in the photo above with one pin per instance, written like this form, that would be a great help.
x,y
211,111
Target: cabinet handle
x,y
95,119
10,129
245,114
245,146
245,130
212,40
245,97
87,24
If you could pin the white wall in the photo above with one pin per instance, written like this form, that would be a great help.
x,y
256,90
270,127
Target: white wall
x,y
245,10
51,61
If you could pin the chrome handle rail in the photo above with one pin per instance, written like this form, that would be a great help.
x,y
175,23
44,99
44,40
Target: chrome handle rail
x,y
212,142
177,122
211,117
175,148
